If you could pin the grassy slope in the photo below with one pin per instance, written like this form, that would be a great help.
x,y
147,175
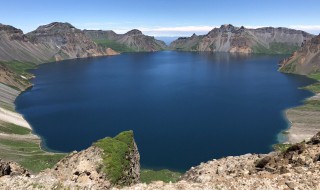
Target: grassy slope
x,y
275,48
22,148
28,154
148,176
9,128
312,104
19,67
114,45
115,151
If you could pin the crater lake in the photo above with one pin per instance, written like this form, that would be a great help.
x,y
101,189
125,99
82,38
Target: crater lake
x,y
184,107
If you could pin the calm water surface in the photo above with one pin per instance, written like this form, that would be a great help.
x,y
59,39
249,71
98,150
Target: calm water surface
x,y
184,107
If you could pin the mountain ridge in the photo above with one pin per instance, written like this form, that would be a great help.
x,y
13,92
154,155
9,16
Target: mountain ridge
x,y
229,38
132,41
52,42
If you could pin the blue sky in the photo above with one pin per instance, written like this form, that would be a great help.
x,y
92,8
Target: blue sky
x,y
165,17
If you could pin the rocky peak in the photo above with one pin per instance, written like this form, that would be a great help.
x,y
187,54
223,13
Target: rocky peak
x,y
227,28
55,26
134,32
10,29
316,40
12,32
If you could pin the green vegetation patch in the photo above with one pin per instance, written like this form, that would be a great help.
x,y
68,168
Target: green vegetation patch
x,y
39,162
310,105
19,67
115,152
10,128
114,45
276,48
7,106
290,67
281,147
315,76
28,154
148,176
313,87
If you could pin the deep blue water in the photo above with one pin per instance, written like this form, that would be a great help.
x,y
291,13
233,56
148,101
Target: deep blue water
x,y
183,107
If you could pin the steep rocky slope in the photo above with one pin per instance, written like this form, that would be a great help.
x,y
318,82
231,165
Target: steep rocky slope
x,y
132,41
55,41
15,46
304,61
66,41
229,38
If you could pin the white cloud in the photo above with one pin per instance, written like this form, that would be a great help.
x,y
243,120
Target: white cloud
x,y
308,28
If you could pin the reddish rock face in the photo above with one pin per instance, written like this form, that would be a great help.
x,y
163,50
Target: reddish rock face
x,y
304,61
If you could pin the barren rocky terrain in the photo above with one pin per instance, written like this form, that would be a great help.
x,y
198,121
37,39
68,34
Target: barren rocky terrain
x,y
229,38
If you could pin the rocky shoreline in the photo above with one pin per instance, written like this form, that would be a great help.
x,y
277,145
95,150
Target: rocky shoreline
x,y
304,123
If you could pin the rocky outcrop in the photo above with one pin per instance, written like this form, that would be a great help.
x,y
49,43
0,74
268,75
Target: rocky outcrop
x,y
12,169
298,167
304,61
92,168
132,41
229,38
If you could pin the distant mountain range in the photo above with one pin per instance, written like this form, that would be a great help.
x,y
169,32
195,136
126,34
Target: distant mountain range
x,y
132,41
229,38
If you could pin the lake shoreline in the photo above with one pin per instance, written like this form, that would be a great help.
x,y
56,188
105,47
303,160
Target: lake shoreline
x,y
303,120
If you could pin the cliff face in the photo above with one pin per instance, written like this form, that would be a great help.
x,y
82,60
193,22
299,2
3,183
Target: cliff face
x,y
229,38
66,41
132,41
15,46
304,61
55,41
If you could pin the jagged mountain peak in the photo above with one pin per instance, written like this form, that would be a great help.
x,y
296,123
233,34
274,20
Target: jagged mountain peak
x,y
55,26
134,32
10,29
227,28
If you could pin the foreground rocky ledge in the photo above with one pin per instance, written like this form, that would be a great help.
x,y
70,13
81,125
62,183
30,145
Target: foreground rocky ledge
x,y
297,167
